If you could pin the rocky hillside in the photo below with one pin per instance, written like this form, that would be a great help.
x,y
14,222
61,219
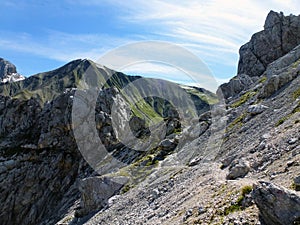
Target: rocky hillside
x,y
235,162
40,164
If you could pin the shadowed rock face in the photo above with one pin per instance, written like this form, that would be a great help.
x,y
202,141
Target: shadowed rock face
x,y
280,35
277,205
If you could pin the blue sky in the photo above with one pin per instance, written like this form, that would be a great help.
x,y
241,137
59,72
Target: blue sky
x,y
39,36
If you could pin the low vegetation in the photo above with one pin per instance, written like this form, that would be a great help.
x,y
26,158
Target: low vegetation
x,y
296,94
238,121
295,187
263,79
284,118
244,98
238,205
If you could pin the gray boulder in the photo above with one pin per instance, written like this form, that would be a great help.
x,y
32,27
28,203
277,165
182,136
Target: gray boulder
x,y
238,168
276,82
256,109
277,205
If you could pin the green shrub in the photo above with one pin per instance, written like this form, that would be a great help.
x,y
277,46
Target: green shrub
x,y
238,205
126,188
246,190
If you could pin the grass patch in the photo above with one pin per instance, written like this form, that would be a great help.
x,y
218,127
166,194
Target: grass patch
x,y
295,187
244,98
238,121
238,205
246,190
263,79
283,119
232,209
297,109
295,64
126,188
296,94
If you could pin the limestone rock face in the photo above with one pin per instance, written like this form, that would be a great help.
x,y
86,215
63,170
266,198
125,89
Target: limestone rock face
x,y
268,52
277,205
280,35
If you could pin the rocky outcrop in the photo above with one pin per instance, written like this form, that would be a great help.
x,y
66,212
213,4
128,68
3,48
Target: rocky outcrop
x,y
277,205
281,72
8,72
36,173
236,85
280,35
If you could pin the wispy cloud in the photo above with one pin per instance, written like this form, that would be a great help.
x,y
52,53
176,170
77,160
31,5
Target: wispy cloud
x,y
210,26
212,29
61,46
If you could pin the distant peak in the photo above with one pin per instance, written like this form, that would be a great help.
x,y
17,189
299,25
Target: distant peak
x,y
8,72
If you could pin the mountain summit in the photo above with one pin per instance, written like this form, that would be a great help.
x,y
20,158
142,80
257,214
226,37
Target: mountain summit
x,y
8,72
